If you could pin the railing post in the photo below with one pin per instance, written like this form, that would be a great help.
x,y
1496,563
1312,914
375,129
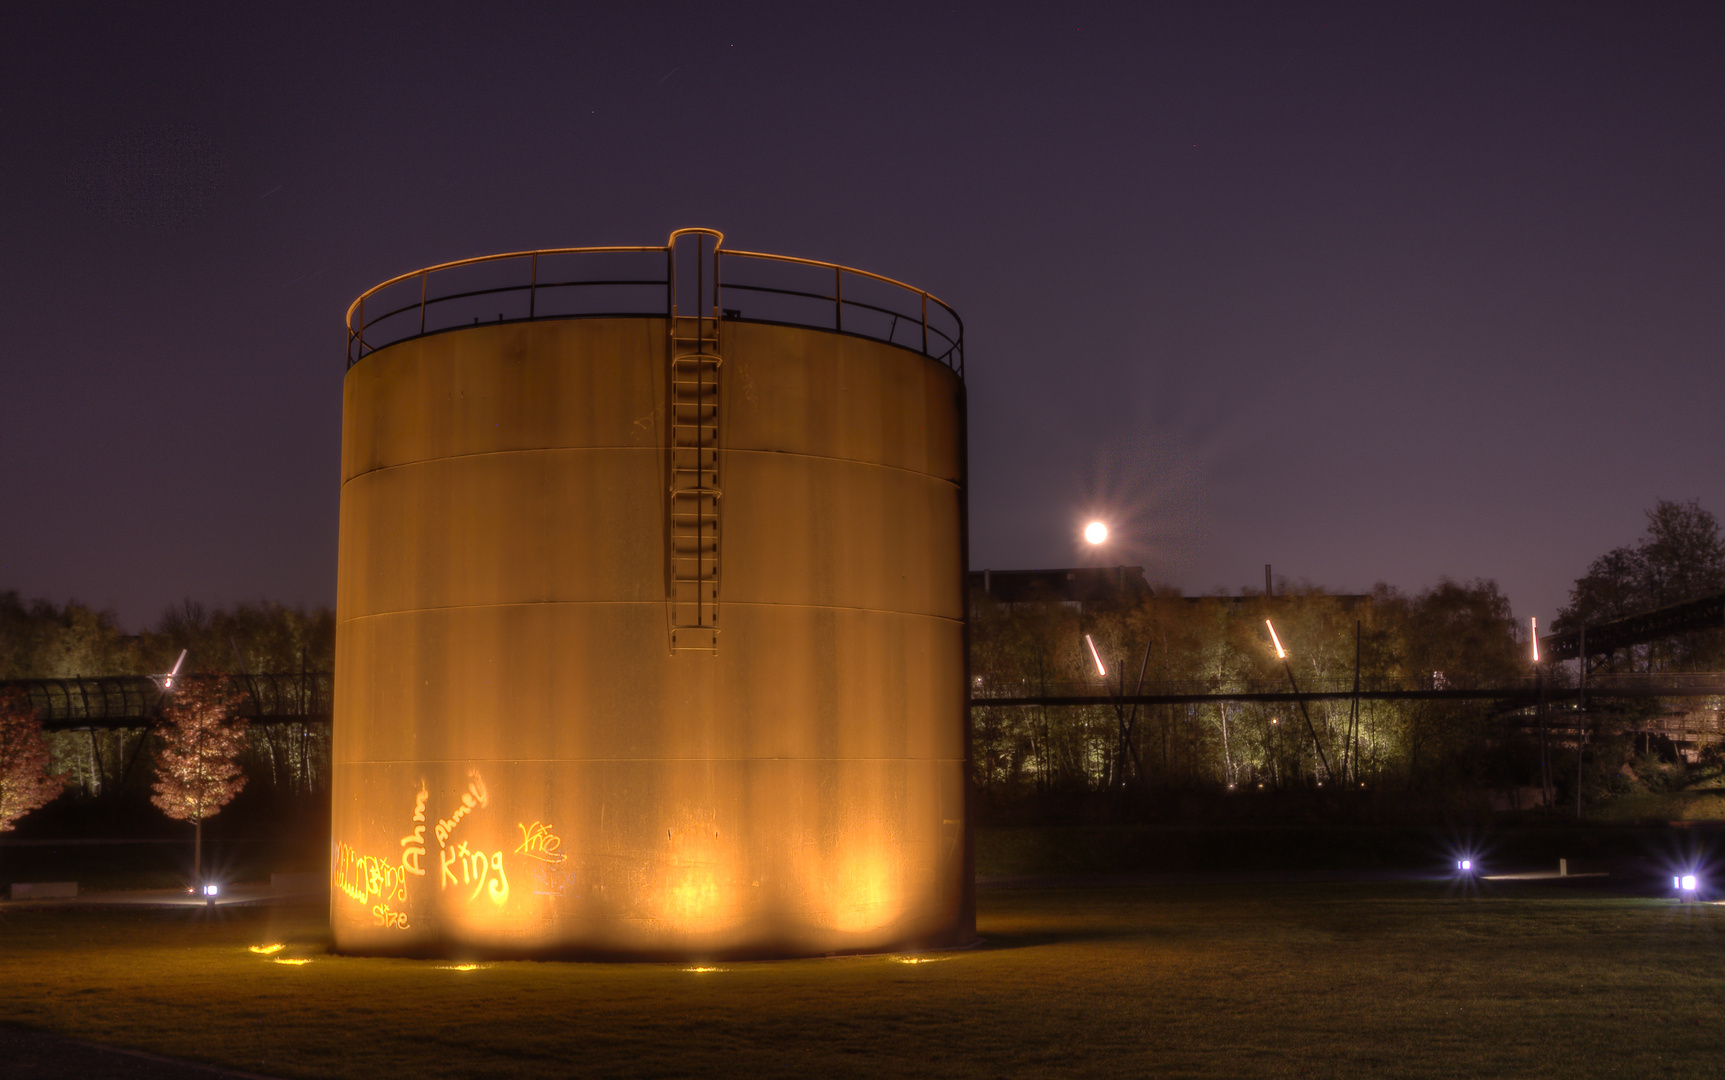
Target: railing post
x,y
925,324
838,299
533,289
359,352
423,280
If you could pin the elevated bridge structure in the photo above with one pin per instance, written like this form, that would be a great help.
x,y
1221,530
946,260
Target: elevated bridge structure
x,y
133,701
1567,709
136,701
1519,694
1600,639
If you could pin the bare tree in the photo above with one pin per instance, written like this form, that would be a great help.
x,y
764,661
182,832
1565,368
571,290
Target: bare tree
x,y
25,782
196,770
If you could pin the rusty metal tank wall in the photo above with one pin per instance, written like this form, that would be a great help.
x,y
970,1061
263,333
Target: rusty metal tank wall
x,y
521,764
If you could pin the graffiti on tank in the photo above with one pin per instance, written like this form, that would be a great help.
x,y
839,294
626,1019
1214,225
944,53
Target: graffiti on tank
x,y
380,883
550,879
539,842
483,872
363,877
545,848
414,842
474,798
386,916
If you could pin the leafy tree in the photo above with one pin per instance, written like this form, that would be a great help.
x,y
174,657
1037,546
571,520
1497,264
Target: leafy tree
x,y
196,771
246,638
25,782
42,640
1681,556
1464,635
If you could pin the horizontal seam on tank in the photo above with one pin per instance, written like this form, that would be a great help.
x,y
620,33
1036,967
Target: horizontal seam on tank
x,y
655,449
667,760
649,603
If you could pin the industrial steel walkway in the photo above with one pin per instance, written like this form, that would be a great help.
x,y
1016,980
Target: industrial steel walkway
x,y
135,701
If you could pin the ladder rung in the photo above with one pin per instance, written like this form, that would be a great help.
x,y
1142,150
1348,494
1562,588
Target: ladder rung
x,y
695,639
693,432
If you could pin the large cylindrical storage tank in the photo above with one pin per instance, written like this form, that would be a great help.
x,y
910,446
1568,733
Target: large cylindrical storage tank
x,y
651,635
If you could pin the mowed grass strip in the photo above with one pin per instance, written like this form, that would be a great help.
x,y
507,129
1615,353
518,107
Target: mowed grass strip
x,y
1266,980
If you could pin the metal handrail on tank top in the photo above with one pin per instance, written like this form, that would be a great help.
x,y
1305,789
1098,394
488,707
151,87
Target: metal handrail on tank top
x,y
952,355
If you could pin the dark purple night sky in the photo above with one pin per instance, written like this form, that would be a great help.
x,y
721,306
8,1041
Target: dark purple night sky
x,y
1374,292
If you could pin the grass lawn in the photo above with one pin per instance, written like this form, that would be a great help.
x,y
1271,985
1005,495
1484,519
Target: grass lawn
x,y
1278,980
1693,804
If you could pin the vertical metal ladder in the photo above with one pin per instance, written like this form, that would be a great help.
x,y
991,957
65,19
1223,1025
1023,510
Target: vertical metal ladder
x,y
694,467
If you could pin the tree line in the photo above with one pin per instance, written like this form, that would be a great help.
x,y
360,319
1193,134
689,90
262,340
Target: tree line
x,y
284,762
43,640
1455,635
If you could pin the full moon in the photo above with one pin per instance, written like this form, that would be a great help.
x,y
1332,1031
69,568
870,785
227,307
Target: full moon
x,y
1095,532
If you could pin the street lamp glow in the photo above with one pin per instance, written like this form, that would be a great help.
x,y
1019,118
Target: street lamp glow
x,y
1281,653
1095,532
1093,655
1534,619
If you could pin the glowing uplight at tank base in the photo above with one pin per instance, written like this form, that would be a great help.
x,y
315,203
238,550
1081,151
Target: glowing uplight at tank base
x,y
1095,533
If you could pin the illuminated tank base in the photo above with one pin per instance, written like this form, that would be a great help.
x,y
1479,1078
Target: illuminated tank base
x,y
778,839
522,764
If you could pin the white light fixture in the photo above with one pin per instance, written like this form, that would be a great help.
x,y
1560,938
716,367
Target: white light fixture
x,y
210,890
1095,532
1100,671
168,679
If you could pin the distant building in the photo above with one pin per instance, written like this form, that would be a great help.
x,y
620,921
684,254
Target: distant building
x,y
1069,587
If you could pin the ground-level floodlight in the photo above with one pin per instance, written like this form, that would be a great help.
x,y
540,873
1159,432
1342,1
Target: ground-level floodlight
x,y
1100,670
1464,866
1686,886
211,890
1095,533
